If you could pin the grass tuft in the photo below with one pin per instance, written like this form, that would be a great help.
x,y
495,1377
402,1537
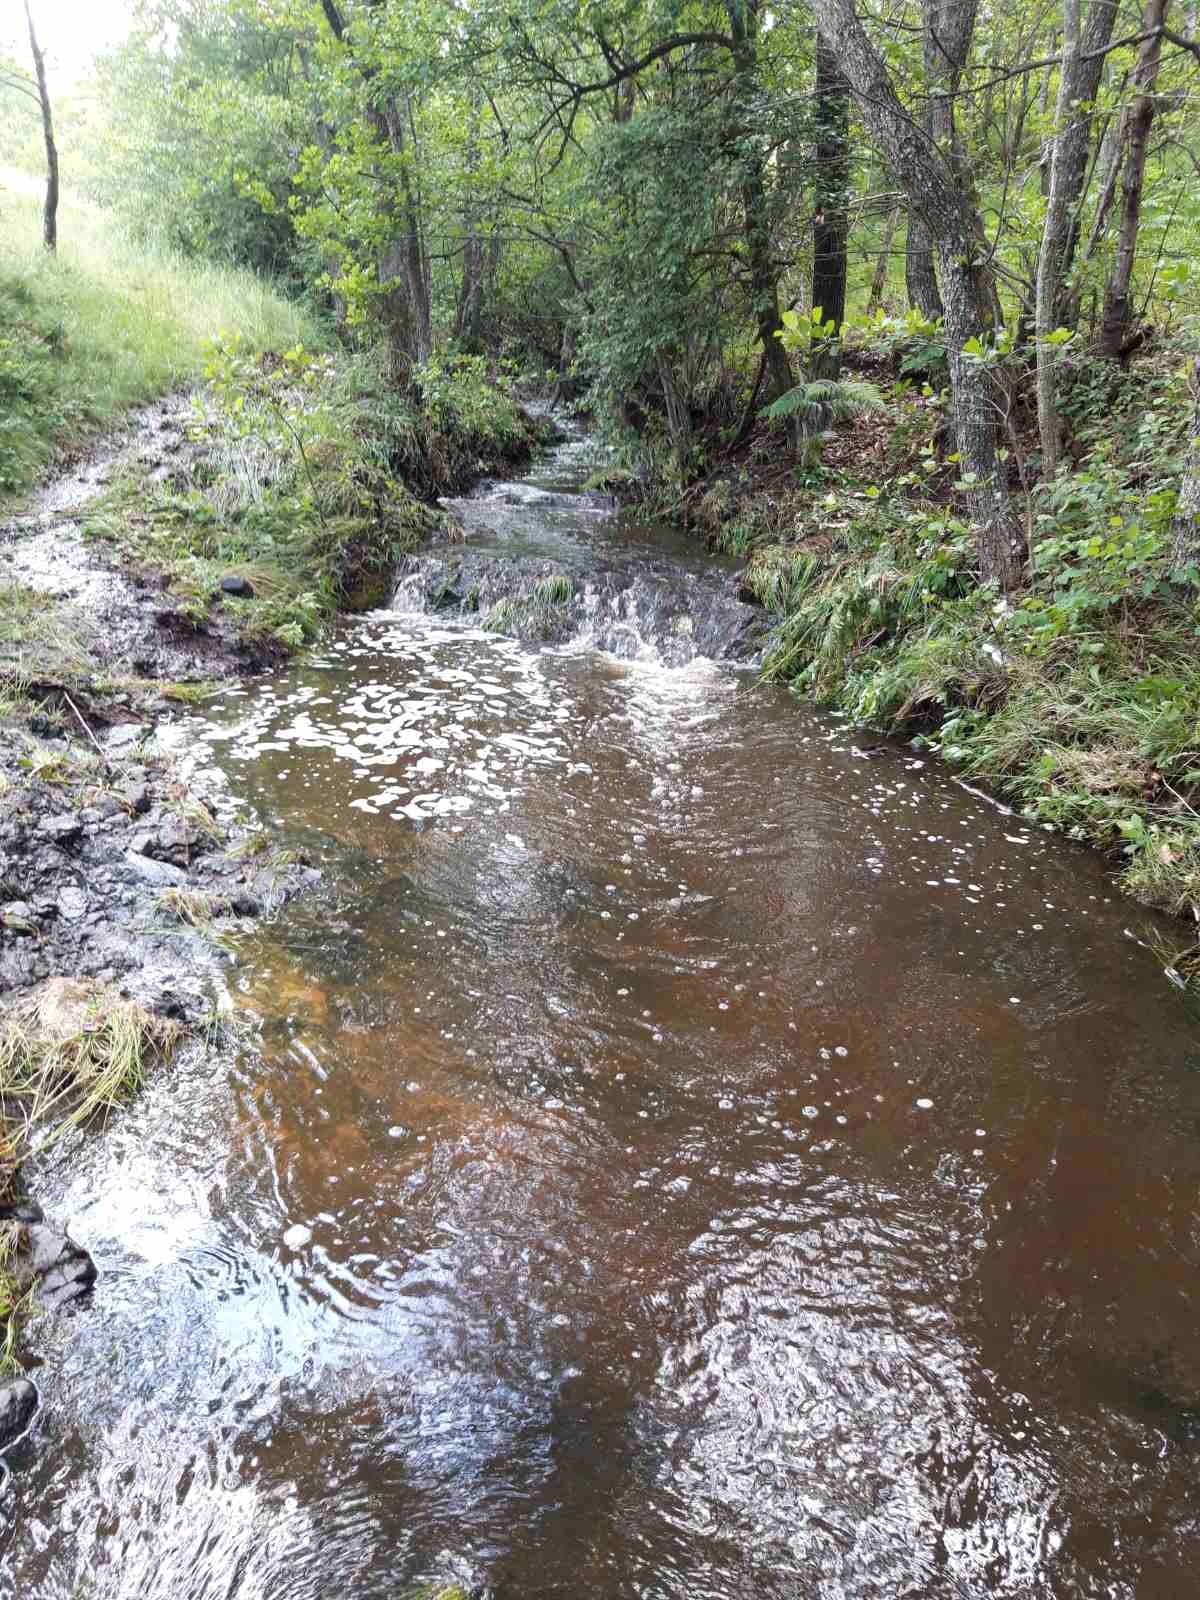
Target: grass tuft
x,y
190,906
70,1053
540,614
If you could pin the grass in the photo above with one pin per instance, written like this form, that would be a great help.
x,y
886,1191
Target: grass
x,y
15,1301
1078,700
35,640
105,325
70,1054
540,614
1093,730
192,907
289,485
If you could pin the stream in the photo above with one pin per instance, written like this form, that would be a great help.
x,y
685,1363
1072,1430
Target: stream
x,y
685,1151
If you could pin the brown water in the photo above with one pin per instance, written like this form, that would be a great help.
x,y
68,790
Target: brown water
x,y
678,1155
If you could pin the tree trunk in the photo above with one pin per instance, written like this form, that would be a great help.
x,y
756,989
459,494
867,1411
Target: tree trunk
x,y
468,313
1108,164
920,279
50,209
947,32
1117,319
763,269
883,262
1185,526
937,192
1054,245
403,276
831,206
1072,148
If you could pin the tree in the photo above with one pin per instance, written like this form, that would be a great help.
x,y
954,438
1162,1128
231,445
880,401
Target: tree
x,y
1185,525
50,210
1118,317
1083,58
924,163
1054,245
831,195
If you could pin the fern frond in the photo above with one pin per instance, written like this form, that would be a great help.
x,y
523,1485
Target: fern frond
x,y
825,401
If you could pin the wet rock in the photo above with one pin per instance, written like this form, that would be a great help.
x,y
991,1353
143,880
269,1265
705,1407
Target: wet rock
x,y
124,737
60,1270
239,588
22,1211
62,1008
176,841
150,870
63,829
20,1403
72,904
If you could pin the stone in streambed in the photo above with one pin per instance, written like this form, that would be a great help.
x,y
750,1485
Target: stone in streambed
x,y
135,798
72,904
18,915
48,1258
124,737
19,1405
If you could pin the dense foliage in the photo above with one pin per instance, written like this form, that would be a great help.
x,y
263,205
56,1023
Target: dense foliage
x,y
964,237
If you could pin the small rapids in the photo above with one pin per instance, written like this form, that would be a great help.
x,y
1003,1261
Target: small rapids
x,y
549,562
684,1151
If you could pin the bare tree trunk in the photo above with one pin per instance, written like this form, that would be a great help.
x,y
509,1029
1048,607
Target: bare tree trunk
x,y
831,205
468,313
1054,244
937,193
50,210
1117,318
1108,164
882,262
1073,145
1185,526
948,29
920,279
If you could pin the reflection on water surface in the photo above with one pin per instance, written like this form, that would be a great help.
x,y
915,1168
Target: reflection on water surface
x,y
678,1155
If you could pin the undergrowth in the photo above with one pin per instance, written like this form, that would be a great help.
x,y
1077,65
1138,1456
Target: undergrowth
x,y
304,480
1079,700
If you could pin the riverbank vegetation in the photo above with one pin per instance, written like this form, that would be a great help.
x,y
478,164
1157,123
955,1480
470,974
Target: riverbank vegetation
x,y
898,306
106,323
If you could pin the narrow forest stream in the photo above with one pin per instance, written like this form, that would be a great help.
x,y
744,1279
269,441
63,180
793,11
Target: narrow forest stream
x,y
683,1151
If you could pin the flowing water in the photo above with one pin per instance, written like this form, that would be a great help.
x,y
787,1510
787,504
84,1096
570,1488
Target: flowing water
x,y
684,1151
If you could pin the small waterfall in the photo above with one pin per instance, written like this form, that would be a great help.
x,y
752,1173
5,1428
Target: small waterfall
x,y
549,561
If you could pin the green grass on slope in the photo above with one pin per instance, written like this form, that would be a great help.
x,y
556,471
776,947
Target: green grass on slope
x,y
105,325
